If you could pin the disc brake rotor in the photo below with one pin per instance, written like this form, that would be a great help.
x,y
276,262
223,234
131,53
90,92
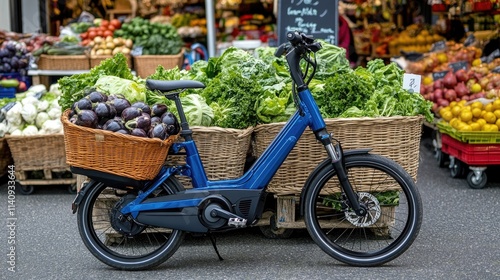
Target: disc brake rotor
x,y
372,205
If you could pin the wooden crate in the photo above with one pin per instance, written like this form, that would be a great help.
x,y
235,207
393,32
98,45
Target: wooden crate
x,y
145,65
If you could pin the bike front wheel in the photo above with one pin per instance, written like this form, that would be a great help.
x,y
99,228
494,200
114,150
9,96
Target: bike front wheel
x,y
388,229
119,241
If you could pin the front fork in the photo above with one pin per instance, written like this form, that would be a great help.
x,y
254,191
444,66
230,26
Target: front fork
x,y
336,154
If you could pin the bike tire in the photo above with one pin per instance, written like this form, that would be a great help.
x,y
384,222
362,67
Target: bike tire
x,y
342,234
145,248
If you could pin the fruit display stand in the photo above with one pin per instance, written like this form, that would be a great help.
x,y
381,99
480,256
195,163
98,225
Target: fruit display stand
x,y
397,138
475,149
40,160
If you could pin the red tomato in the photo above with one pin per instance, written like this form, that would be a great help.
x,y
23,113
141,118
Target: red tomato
x,y
116,23
92,29
92,35
111,27
104,23
108,33
100,33
84,35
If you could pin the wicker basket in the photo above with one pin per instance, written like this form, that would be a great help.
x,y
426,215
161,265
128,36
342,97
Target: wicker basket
x,y
97,59
223,152
395,137
145,65
5,156
124,155
63,62
38,152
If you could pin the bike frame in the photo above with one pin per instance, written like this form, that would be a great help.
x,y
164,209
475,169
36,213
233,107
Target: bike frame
x,y
257,177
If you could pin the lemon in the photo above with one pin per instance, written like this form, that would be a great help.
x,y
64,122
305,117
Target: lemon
x,y
476,112
456,110
498,122
486,127
475,126
475,88
465,115
447,115
496,104
489,117
493,128
453,104
427,80
497,113
476,62
477,104
488,107
466,127
481,122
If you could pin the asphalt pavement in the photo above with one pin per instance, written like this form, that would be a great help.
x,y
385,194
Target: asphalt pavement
x,y
459,239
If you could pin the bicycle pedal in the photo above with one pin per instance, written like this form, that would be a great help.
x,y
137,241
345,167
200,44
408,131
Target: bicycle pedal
x,y
237,222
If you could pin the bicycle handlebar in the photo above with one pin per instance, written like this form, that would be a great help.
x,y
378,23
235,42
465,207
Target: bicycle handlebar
x,y
298,44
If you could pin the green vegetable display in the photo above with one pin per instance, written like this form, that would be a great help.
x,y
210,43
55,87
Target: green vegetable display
x,y
154,38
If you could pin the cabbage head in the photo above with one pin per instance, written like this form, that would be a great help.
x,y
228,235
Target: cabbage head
x,y
198,113
132,90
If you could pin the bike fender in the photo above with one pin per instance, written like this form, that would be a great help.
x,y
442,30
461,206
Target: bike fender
x,y
322,165
81,194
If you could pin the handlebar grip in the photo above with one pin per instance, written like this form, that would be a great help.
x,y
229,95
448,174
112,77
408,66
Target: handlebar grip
x,y
294,37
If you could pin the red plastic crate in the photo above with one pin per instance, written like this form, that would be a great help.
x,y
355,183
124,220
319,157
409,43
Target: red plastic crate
x,y
482,6
471,154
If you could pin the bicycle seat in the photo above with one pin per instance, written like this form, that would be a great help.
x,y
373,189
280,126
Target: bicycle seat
x,y
164,86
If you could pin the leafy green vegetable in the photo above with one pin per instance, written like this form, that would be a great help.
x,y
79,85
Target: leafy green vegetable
x,y
132,91
73,87
197,111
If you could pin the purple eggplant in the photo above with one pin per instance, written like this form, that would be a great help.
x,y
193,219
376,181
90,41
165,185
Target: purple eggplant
x,y
142,122
172,129
130,113
158,110
139,132
143,106
96,96
73,118
155,120
159,131
105,110
82,104
87,118
170,119
122,131
114,96
113,125
120,104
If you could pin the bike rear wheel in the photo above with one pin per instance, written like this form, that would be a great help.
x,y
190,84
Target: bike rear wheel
x,y
394,211
118,240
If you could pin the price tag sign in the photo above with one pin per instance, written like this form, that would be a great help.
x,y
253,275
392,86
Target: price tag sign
x,y
136,51
438,46
496,70
455,66
493,55
439,75
471,39
411,82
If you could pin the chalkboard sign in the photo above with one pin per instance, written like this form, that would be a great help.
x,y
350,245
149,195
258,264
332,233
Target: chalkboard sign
x,y
496,70
439,75
318,18
438,46
471,39
455,66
